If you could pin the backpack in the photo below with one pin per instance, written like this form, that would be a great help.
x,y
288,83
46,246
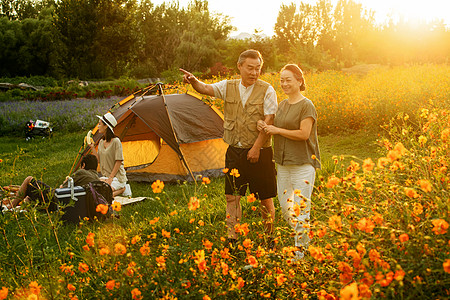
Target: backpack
x,y
98,192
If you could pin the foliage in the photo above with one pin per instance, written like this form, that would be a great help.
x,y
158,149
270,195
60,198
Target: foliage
x,y
379,230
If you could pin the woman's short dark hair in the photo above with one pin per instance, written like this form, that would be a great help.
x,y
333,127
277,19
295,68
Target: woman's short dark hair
x,y
298,74
90,162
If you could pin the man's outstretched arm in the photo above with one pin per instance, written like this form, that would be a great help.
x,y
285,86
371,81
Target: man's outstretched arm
x,y
200,87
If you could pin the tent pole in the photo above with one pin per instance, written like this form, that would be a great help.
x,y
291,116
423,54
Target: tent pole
x,y
159,84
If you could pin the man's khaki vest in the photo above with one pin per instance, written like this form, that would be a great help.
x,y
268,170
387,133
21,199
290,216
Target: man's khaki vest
x,y
240,122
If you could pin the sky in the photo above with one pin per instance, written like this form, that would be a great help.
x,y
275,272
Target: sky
x,y
248,15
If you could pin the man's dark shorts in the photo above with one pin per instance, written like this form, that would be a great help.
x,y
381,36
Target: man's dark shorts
x,y
259,177
42,193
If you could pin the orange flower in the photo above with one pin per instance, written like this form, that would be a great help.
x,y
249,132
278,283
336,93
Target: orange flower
x,y
3,293
82,267
445,134
335,223
446,265
235,173
70,287
207,244
393,155
225,170
350,292
382,162
225,268
368,165
403,237
332,181
120,249
252,261
116,206
194,203
281,279
251,198
241,283
206,297
296,208
206,180
110,284
136,294
90,239
165,234
145,249
411,193
136,239
399,275
152,222
247,243
425,185
316,253
173,213
365,225
200,260
161,262
440,226
102,208
104,251
377,218
374,255
242,229
225,253
157,186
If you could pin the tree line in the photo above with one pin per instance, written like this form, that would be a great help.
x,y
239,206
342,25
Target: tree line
x,y
101,39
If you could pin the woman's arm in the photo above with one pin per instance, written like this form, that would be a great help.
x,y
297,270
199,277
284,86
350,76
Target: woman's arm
x,y
301,134
114,171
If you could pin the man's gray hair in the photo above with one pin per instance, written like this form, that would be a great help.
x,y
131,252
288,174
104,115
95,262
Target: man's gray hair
x,y
251,53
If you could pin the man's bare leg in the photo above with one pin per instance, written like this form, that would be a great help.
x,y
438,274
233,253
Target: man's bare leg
x,y
234,214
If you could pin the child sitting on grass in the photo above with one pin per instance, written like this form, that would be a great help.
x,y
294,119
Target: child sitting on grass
x,y
33,190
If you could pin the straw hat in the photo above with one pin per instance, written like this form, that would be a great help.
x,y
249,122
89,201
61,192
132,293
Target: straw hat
x,y
109,120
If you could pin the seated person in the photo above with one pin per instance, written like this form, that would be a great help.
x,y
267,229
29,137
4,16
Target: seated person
x,y
33,190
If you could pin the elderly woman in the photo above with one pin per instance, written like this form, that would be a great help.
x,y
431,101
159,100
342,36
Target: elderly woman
x,y
296,153
110,155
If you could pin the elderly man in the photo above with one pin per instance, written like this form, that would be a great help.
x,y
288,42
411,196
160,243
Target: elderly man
x,y
246,100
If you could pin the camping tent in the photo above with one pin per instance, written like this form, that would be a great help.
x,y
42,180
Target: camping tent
x,y
169,137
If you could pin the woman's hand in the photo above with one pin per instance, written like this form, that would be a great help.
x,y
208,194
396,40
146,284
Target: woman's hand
x,y
261,125
270,129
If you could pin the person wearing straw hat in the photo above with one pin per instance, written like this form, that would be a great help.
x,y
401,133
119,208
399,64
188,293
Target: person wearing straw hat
x,y
110,155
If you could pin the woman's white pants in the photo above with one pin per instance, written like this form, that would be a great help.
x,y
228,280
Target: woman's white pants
x,y
295,185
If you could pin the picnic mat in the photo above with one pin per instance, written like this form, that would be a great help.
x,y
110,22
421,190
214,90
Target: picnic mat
x,y
126,200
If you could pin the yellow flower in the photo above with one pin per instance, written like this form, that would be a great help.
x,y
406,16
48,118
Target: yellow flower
x,y
422,140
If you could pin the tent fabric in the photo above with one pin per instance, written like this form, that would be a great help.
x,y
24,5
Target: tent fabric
x,y
169,137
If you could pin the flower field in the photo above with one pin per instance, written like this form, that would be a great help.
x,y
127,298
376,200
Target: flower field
x,y
379,226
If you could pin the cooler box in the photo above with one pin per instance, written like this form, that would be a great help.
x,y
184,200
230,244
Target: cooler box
x,y
76,212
